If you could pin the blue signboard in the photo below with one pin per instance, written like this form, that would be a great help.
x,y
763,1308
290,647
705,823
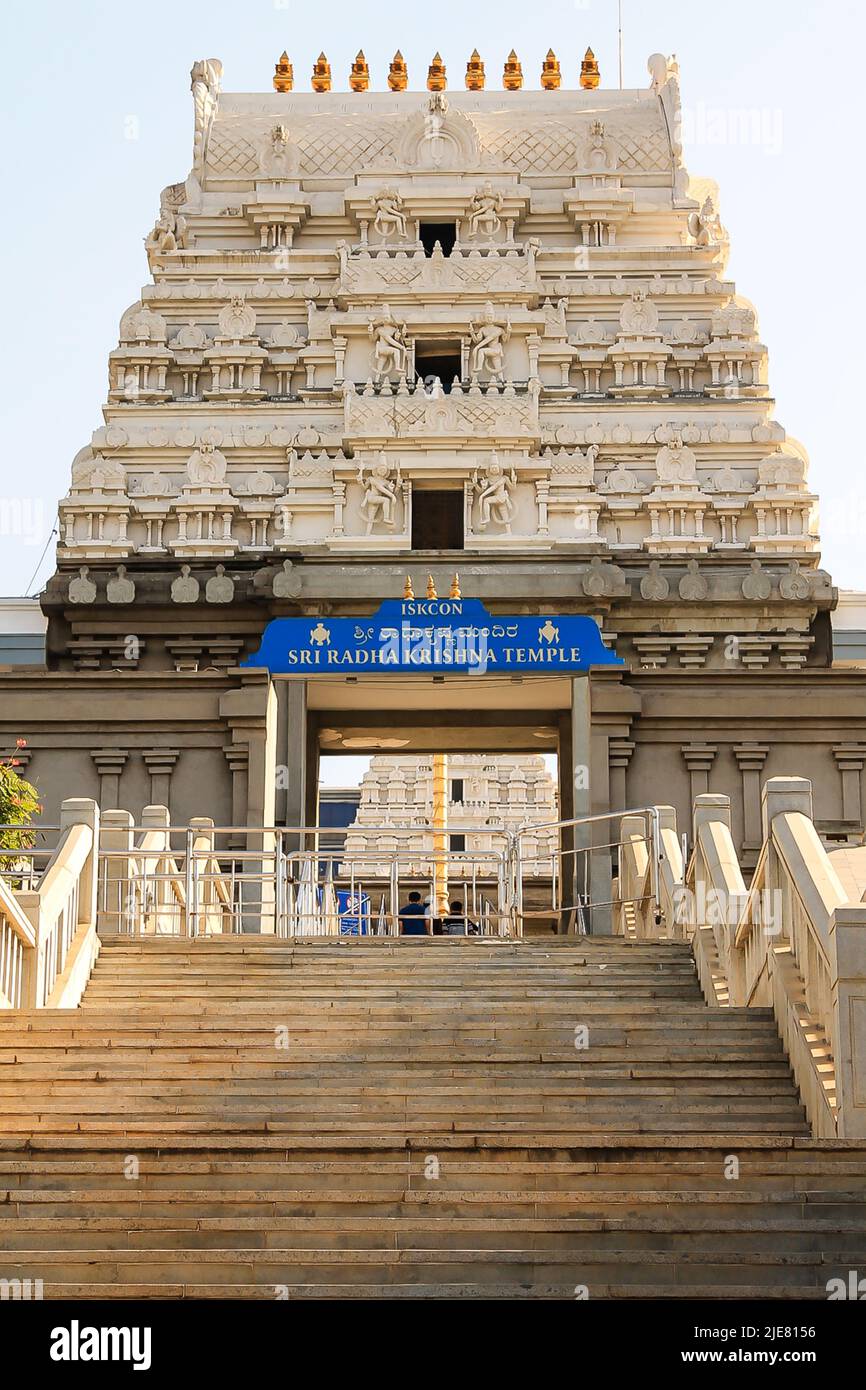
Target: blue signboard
x,y
354,913
432,635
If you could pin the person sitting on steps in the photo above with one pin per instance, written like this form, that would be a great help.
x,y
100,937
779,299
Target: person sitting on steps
x,y
457,923
413,917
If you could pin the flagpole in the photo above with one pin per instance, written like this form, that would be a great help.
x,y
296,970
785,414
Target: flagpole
x,y
619,9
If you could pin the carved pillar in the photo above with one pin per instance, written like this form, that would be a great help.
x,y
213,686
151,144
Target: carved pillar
x,y
109,765
750,759
250,713
296,752
542,495
237,756
698,758
619,751
850,758
160,764
340,358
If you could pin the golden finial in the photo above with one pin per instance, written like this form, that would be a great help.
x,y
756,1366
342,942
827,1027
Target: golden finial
x,y
589,73
398,73
359,73
455,587
321,74
512,76
551,77
431,587
408,591
436,79
475,73
284,75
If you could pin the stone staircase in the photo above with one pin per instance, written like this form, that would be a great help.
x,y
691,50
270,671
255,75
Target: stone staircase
x,y
242,1117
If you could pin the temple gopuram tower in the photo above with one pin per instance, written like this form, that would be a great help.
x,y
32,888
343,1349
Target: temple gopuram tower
x,y
408,333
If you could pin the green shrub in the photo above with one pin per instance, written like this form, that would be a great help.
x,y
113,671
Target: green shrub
x,y
19,803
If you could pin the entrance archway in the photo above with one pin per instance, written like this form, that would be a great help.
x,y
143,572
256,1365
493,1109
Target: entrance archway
x,y
489,713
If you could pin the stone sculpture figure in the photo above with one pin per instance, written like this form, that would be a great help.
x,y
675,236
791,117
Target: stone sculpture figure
x,y
220,588
186,588
286,583
638,315
484,211
594,582
169,233
705,226
494,489
390,354
206,466
756,584
434,125
488,345
676,462
597,153
622,481
555,325
381,491
120,588
237,319
654,586
693,586
82,589
280,158
794,584
191,337
390,218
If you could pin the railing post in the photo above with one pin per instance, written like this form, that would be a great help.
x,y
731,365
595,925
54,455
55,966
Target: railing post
x,y
279,885
201,893
781,794
114,899
719,916
707,809
667,851
154,827
82,811
30,968
848,936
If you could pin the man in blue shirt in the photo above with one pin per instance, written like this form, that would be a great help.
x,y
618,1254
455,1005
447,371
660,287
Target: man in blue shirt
x,y
413,917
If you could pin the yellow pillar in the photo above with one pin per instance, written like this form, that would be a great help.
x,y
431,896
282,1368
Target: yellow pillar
x,y
440,834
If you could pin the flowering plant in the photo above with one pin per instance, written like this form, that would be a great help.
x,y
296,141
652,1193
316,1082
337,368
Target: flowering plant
x,y
19,803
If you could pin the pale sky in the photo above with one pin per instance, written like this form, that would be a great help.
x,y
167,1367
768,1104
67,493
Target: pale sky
x,y
97,117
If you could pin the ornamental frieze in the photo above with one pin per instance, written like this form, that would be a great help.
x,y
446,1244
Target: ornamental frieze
x,y
494,412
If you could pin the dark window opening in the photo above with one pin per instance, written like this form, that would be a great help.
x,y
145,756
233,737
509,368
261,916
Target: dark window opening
x,y
437,519
444,368
457,789
443,232
442,361
456,843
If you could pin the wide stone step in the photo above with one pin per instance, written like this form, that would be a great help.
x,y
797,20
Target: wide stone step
x,y
790,1171
690,1288
687,1208
415,1129
272,1267
836,1240
503,1089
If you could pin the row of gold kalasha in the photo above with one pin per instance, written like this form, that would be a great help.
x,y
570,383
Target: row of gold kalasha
x,y
409,588
398,73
